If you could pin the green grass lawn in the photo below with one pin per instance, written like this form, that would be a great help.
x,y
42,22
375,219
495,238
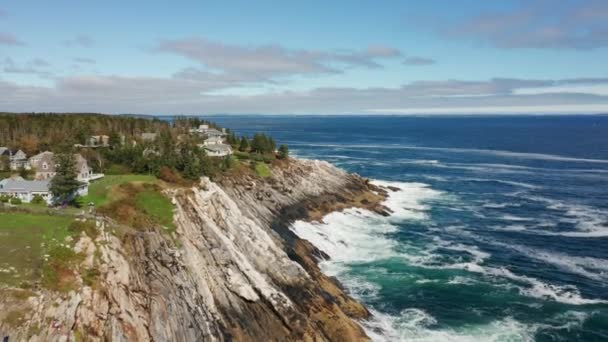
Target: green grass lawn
x,y
21,239
157,206
262,170
100,191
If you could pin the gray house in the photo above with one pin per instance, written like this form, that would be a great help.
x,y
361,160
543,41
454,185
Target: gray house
x,y
17,158
25,190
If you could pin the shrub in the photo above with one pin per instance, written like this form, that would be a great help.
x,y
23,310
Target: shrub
x,y
169,175
38,200
88,227
4,199
118,169
15,200
57,272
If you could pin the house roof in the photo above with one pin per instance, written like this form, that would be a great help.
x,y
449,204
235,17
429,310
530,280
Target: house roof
x,y
21,185
219,148
214,138
5,151
48,158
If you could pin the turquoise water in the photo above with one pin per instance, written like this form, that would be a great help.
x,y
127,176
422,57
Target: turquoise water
x,y
499,234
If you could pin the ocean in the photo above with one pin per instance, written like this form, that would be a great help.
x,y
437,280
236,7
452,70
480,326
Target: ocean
x,y
500,232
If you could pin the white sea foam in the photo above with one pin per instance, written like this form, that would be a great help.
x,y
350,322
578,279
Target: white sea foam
x,y
533,287
501,181
417,325
493,205
497,153
589,221
360,236
508,217
589,267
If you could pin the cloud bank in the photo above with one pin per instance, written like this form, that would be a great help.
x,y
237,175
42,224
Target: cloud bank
x,y
539,24
178,94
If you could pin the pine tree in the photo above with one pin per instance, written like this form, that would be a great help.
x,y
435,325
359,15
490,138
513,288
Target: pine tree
x,y
244,145
283,152
64,185
114,139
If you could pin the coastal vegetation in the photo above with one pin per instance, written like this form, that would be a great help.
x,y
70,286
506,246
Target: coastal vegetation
x,y
134,145
39,243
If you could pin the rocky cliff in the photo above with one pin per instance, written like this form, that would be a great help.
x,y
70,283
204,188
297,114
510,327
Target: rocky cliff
x,y
232,270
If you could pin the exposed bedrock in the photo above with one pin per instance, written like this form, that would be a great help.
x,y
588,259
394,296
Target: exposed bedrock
x,y
232,271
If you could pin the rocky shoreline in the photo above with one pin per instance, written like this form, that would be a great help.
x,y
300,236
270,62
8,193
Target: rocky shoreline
x,y
232,271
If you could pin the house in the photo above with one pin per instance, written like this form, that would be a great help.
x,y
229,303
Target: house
x,y
148,136
215,140
200,130
43,164
218,150
26,190
215,133
209,132
98,141
45,167
17,158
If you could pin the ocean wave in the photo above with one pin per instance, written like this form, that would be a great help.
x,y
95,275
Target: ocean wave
x,y
589,267
417,325
501,181
494,205
589,221
358,235
497,153
566,294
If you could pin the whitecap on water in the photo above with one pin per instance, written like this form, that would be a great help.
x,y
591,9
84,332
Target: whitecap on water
x,y
417,325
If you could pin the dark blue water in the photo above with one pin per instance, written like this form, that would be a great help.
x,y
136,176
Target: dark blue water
x,y
500,232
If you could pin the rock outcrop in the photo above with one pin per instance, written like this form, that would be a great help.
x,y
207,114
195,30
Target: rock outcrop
x,y
232,270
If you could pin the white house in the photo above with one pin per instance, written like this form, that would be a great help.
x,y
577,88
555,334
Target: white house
x,y
215,140
218,150
209,132
26,190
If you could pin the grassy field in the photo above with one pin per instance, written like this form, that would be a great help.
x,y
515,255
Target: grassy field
x,y
157,206
101,191
22,236
262,170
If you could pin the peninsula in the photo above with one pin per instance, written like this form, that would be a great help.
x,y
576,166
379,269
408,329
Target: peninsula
x,y
171,243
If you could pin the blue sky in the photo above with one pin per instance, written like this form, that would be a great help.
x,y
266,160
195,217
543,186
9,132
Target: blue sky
x,y
317,57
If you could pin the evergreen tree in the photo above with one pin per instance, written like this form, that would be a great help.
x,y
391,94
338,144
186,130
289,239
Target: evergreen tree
x,y
114,139
283,152
4,163
244,145
64,185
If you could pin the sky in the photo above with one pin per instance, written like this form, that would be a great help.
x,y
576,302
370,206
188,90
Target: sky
x,y
305,57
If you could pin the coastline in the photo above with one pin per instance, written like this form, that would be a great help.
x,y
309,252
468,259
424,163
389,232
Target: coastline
x,y
233,269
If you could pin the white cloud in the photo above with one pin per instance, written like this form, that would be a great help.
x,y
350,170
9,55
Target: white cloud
x,y
268,62
199,94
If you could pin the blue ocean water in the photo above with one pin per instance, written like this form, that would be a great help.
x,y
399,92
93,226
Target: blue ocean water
x,y
499,234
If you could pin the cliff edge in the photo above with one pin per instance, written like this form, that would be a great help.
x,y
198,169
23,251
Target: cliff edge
x,y
231,271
